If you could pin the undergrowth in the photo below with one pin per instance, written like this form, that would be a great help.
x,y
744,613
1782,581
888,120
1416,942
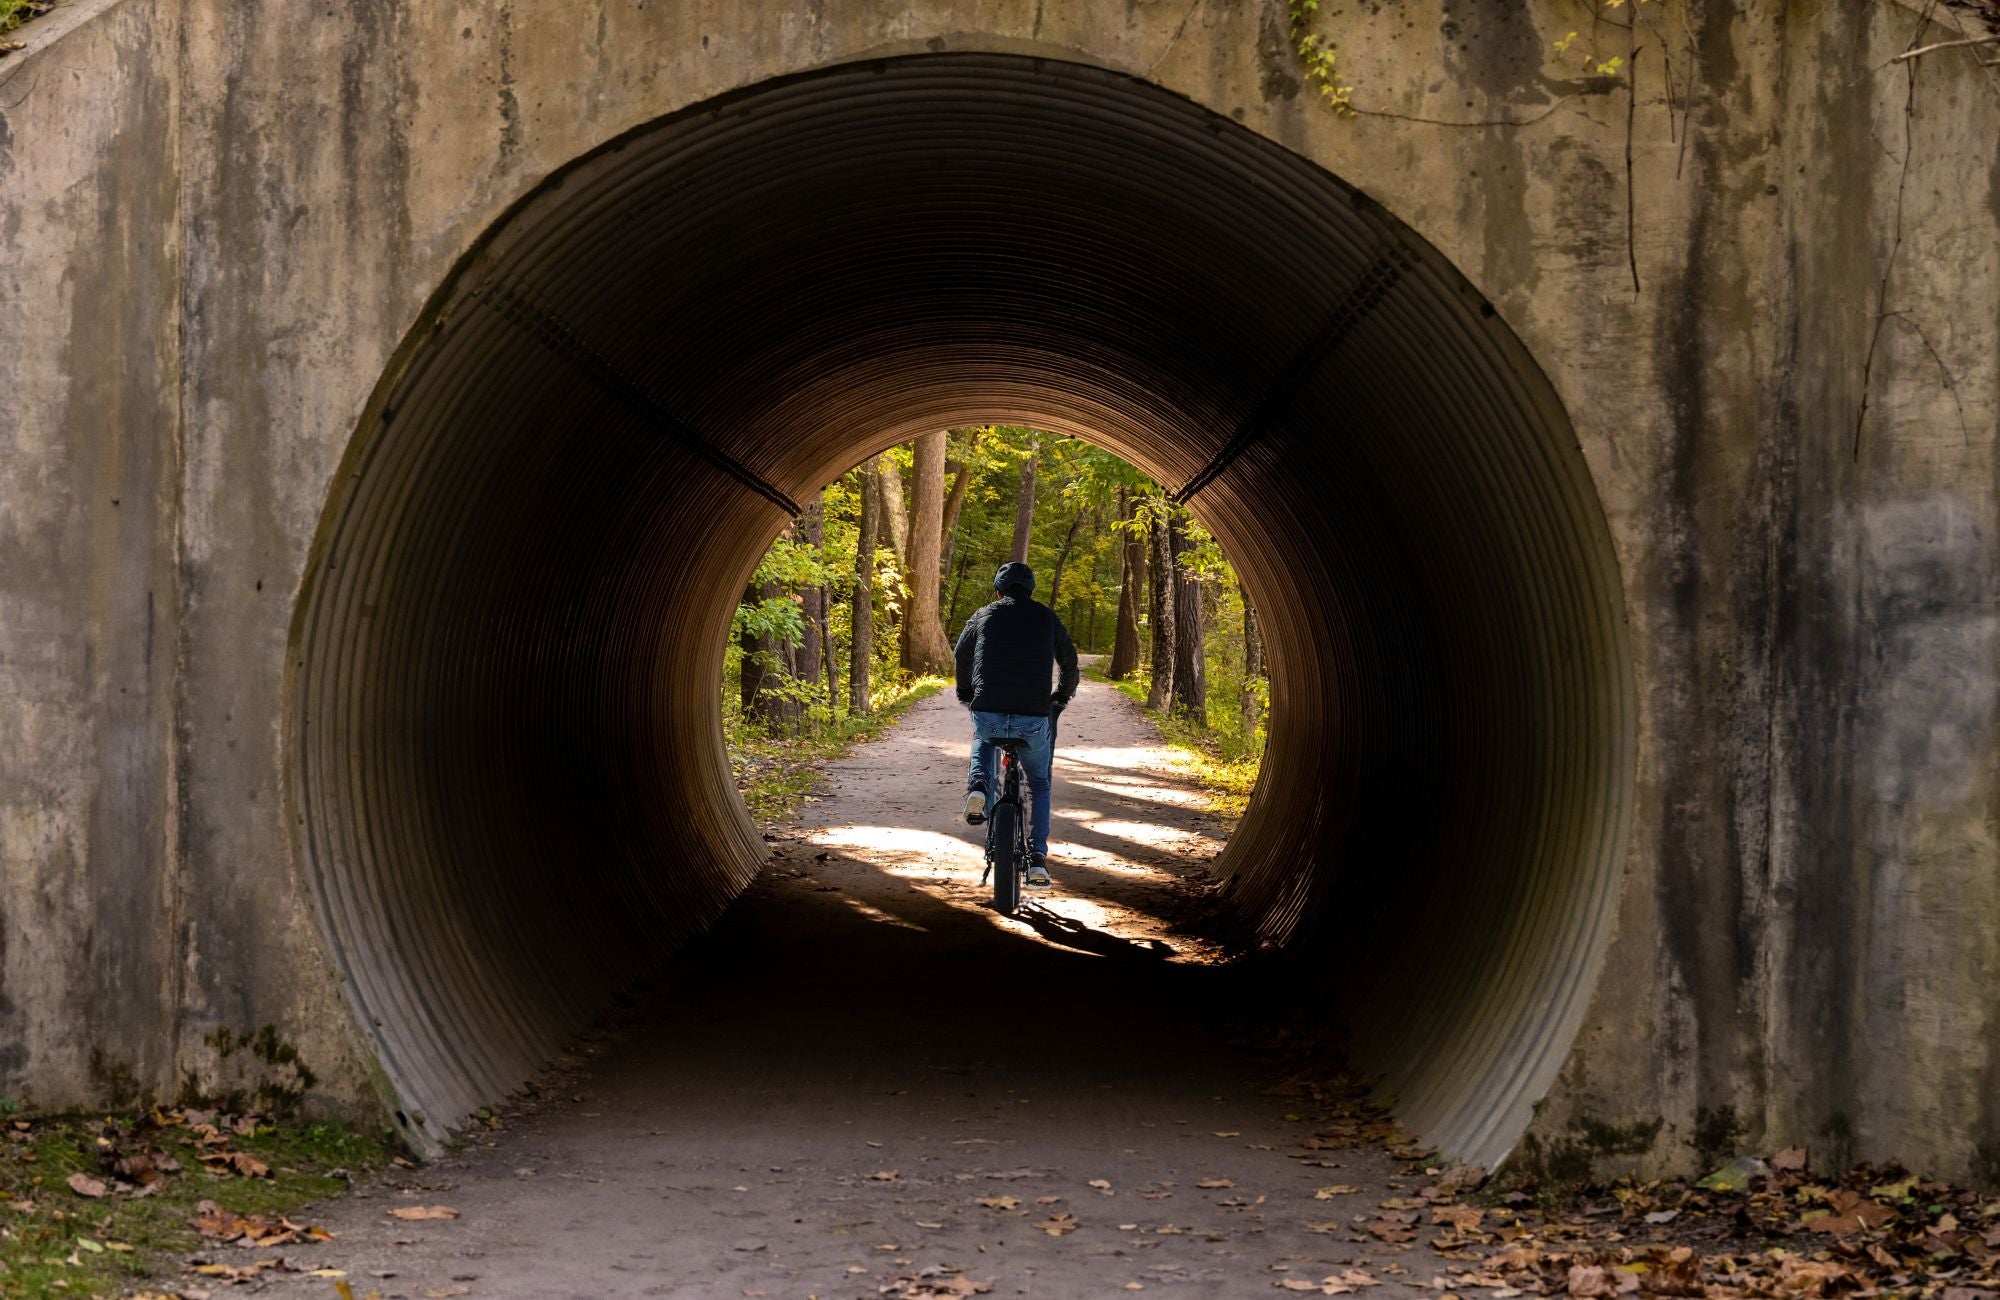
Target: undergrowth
x,y
1224,764
117,1234
777,772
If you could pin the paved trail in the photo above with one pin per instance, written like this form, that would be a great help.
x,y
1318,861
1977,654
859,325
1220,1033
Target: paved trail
x,y
864,1082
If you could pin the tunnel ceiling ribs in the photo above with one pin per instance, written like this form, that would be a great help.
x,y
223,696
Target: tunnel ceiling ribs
x,y
559,337
1373,286
512,788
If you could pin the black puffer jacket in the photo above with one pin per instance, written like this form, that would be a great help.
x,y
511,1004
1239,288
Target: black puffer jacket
x,y
1007,654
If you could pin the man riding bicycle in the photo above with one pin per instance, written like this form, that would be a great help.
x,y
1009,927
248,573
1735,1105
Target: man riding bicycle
x,y
1007,655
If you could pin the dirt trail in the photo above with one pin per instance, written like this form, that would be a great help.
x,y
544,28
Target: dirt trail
x,y
863,1074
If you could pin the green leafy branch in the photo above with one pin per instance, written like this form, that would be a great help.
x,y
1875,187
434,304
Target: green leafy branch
x,y
1318,59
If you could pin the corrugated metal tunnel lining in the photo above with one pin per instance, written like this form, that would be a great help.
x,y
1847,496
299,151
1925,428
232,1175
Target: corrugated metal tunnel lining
x,y
511,789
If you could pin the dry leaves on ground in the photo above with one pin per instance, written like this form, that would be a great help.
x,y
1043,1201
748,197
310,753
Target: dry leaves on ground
x,y
259,1230
419,1213
1058,1225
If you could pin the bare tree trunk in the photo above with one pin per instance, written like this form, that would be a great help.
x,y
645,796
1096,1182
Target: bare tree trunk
x,y
1253,665
1161,593
924,650
1024,510
1190,693
812,531
957,586
1131,573
895,514
1062,558
862,649
954,504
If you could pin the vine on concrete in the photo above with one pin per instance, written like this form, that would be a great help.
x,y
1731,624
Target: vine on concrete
x,y
1318,59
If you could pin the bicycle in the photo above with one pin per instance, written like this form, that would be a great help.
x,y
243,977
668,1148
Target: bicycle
x,y
1007,851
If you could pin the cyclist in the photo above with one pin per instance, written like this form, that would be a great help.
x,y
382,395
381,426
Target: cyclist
x,y
1007,655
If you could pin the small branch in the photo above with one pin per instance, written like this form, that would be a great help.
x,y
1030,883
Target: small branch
x,y
1918,53
1882,313
1944,371
1631,207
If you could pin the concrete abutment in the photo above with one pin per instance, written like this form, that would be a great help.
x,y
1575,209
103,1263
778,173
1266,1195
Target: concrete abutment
x,y
377,717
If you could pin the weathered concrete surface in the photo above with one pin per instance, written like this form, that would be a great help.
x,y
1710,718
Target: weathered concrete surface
x,y
219,220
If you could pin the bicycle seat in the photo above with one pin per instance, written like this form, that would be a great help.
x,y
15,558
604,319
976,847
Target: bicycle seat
x,y
1008,743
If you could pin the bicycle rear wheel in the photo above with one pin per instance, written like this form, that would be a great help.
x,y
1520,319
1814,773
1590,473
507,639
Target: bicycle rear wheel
x,y
1000,846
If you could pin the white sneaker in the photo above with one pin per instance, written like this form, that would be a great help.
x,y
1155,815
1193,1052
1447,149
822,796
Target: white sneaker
x,y
1038,872
975,807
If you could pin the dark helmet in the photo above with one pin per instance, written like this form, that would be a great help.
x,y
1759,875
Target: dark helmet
x,y
1014,574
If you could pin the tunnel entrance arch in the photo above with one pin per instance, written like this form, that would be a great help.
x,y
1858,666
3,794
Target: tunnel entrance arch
x,y
510,787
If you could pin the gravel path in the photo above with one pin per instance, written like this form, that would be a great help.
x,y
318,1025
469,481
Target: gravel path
x,y
866,1083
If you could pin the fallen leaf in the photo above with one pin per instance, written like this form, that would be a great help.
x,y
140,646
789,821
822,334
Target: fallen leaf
x,y
1231,1133
1058,1225
884,1176
1465,1218
1326,1225
441,1292
1215,1183
1102,1184
1338,1189
1000,1202
85,1185
415,1213
1588,1280
1790,1160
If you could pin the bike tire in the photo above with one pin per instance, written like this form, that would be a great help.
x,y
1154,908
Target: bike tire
x,y
1006,872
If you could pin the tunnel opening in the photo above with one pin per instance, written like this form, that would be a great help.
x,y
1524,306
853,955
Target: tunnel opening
x,y
509,781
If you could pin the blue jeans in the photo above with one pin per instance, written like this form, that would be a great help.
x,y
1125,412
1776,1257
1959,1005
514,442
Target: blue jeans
x,y
1035,761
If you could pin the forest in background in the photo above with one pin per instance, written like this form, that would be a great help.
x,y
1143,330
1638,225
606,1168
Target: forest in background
x,y
852,613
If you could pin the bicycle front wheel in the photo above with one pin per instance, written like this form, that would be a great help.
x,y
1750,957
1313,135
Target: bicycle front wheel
x,y
1000,847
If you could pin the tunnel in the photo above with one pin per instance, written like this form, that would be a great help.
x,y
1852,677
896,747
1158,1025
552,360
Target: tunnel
x,y
510,786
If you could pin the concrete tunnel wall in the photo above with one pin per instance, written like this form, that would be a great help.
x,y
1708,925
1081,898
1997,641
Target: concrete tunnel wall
x,y
222,225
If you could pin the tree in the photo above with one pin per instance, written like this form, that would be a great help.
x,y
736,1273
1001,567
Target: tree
x,y
1189,697
862,644
895,521
1024,508
1253,667
1062,557
1131,571
1161,589
924,648
812,599
954,501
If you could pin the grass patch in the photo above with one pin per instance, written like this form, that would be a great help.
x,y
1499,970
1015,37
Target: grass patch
x,y
56,1242
1227,779
775,773
15,12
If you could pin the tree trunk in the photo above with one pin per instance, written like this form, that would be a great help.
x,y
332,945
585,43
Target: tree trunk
x,y
924,650
957,586
862,649
895,523
765,666
1062,558
1024,510
1131,573
954,503
1253,666
1161,592
812,531
1190,692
